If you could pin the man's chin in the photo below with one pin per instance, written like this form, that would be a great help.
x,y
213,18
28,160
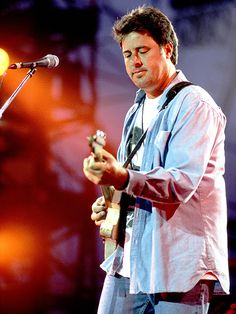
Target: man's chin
x,y
139,83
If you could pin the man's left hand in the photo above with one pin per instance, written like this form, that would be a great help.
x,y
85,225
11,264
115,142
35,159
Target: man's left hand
x,y
106,172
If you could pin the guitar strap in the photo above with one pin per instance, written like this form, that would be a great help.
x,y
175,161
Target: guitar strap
x,y
169,96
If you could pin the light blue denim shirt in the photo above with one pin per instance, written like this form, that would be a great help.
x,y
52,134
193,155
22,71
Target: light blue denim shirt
x,y
180,220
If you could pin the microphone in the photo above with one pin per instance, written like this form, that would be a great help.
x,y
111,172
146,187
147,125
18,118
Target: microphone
x,y
48,61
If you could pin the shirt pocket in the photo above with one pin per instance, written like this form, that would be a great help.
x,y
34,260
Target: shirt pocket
x,y
160,146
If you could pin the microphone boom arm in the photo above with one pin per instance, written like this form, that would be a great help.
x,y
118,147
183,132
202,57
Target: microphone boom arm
x,y
16,91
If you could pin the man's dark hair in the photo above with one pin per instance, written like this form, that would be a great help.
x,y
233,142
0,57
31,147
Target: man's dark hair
x,y
151,20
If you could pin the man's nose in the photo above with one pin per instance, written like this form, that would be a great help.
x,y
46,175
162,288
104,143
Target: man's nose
x,y
136,60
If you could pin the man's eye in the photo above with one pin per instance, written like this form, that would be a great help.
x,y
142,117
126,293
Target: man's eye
x,y
143,51
127,55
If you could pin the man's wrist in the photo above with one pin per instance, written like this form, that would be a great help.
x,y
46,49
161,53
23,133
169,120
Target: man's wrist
x,y
123,180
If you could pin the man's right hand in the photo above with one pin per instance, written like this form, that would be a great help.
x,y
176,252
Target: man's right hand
x,y
99,211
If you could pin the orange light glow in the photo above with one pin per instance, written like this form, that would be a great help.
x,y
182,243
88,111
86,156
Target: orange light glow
x,y
16,245
4,61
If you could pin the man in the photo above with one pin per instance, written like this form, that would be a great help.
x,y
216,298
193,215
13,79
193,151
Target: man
x,y
175,248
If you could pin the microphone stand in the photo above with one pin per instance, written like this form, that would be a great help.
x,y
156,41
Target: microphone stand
x,y
12,97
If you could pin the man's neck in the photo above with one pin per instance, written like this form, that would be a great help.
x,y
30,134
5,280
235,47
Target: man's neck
x,y
155,92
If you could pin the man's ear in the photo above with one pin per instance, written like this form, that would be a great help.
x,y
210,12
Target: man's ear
x,y
168,48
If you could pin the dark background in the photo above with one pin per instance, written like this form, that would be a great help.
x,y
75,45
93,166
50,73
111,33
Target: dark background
x,y
50,250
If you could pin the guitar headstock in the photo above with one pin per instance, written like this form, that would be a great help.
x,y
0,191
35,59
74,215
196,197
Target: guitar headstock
x,y
97,142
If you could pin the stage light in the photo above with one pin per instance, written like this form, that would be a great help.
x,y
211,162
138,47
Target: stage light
x,y
16,245
4,61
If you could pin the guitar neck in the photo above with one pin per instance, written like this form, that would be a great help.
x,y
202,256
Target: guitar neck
x,y
108,192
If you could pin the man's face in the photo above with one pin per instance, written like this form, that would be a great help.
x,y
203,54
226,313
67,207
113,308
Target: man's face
x,y
147,64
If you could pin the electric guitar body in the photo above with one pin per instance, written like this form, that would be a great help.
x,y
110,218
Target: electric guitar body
x,y
109,229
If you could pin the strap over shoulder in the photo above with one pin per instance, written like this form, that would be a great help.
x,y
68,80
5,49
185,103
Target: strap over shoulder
x,y
169,96
174,91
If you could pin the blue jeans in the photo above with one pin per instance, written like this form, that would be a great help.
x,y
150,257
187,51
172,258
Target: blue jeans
x,y
116,299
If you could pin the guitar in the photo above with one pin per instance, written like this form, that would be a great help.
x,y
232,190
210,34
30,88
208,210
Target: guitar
x,y
109,228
